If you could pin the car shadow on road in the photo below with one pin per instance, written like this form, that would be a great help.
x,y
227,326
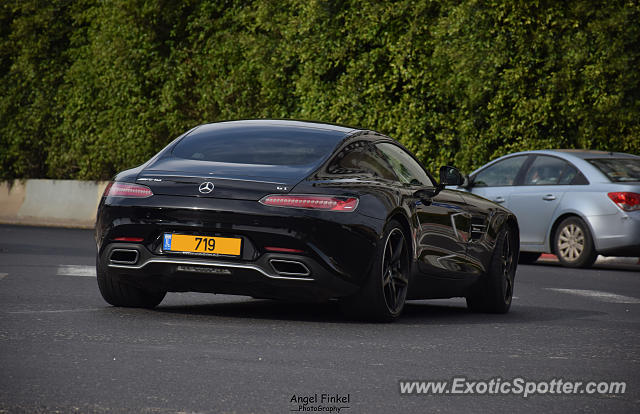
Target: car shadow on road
x,y
429,312
415,312
260,309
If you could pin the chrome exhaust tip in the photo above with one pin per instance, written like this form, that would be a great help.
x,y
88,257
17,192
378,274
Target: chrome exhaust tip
x,y
289,267
124,256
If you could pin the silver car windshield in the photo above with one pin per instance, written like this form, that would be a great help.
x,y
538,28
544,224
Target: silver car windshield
x,y
618,170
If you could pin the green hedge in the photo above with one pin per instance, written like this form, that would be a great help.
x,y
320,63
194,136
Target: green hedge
x,y
91,88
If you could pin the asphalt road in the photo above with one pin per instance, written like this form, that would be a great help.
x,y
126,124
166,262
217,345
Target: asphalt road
x,y
63,349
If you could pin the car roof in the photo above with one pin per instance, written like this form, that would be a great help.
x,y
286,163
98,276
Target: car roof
x,y
578,157
589,154
277,123
574,153
567,154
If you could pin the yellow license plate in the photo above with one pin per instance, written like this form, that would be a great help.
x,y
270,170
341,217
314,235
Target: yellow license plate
x,y
202,244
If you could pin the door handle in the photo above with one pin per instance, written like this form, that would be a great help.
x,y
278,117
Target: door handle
x,y
549,197
499,199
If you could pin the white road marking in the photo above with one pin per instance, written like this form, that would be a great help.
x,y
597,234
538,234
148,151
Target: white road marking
x,y
73,270
598,295
58,311
3,275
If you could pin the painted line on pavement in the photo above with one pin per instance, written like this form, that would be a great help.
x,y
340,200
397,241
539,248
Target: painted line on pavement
x,y
73,270
598,295
56,311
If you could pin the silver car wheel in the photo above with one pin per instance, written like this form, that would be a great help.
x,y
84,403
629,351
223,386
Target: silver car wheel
x,y
571,242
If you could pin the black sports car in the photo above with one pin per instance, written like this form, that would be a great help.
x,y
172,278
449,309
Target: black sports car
x,y
300,211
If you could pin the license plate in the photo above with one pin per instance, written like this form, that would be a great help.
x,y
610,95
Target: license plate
x,y
202,244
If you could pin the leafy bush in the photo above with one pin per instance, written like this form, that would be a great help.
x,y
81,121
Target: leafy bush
x,y
91,88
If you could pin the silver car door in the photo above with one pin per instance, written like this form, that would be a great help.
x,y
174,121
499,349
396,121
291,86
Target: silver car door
x,y
544,184
496,181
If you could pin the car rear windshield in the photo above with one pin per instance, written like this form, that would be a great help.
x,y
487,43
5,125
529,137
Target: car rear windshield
x,y
258,145
618,170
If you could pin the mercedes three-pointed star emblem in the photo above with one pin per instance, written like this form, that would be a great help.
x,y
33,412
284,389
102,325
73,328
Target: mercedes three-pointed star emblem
x,y
206,187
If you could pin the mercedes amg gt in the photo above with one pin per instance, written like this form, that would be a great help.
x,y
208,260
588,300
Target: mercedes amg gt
x,y
301,211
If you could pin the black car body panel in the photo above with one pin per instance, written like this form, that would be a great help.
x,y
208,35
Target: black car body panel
x,y
452,234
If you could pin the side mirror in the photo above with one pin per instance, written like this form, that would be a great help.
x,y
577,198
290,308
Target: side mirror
x,y
450,176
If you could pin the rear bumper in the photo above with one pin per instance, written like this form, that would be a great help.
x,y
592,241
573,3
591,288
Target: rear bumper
x,y
257,279
337,249
616,234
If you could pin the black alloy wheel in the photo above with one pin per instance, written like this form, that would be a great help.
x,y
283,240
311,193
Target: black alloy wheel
x,y
395,278
494,292
506,264
383,295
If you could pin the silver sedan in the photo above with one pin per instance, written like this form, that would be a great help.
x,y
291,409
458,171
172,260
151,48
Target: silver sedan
x,y
573,203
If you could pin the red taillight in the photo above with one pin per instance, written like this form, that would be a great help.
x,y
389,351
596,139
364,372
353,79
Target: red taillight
x,y
282,249
129,239
117,189
314,202
626,200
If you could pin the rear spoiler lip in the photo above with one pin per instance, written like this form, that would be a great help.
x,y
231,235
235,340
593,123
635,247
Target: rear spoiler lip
x,y
161,177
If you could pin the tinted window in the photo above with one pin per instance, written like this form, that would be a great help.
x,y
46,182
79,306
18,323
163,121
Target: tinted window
x,y
545,171
267,145
361,157
619,170
406,168
570,175
502,173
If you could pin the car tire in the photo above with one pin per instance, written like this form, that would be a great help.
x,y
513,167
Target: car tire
x,y
573,243
495,291
121,294
528,257
383,296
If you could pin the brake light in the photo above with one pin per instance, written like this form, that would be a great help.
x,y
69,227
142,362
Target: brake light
x,y
118,189
312,202
129,239
626,201
282,249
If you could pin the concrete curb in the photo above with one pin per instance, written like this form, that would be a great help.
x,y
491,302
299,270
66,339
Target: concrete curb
x,y
61,203
601,260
